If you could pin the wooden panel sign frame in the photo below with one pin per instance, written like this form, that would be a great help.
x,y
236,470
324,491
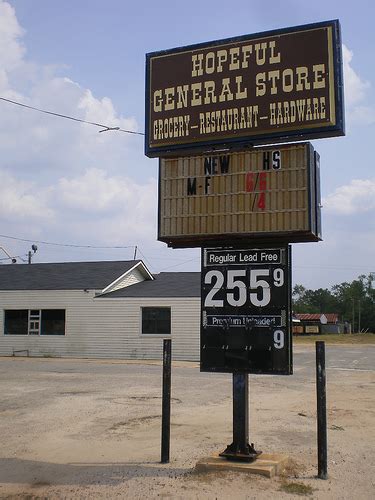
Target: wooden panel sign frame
x,y
263,88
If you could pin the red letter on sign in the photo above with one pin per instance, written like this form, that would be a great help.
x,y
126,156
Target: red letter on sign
x,y
262,201
249,182
263,181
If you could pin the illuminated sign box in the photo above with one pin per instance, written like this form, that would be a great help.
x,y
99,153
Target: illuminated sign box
x,y
264,88
264,193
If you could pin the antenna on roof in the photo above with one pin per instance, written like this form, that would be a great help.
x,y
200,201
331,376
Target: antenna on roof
x,y
34,248
135,252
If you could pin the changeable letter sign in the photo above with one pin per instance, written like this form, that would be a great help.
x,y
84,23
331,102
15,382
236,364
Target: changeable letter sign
x,y
260,194
246,322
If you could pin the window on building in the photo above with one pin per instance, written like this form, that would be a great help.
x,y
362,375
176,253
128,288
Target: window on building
x,y
34,322
53,322
16,322
156,320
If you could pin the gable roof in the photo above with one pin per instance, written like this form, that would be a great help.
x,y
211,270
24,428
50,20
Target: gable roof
x,y
64,275
175,284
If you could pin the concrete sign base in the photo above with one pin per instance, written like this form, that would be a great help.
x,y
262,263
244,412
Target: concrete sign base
x,y
267,464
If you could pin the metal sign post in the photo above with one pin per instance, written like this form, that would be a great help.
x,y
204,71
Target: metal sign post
x,y
240,449
321,409
246,327
166,401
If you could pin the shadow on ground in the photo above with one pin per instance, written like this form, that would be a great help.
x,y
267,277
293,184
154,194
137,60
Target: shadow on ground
x,y
30,472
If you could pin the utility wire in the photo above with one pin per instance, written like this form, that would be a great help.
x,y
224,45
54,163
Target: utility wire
x,y
176,265
105,128
359,268
337,268
145,258
64,244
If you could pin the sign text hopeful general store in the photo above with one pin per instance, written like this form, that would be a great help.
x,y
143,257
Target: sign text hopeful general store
x,y
252,89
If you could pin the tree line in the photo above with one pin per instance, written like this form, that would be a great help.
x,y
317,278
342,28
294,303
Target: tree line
x,y
354,302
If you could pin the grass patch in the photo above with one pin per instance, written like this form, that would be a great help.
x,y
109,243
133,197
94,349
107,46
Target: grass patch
x,y
332,338
296,488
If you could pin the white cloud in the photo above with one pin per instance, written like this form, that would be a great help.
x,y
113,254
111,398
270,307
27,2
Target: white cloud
x,y
92,207
355,88
75,184
362,115
19,199
115,207
11,49
355,93
354,198
97,192
48,143
102,111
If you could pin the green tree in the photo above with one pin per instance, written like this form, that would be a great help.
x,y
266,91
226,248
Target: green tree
x,y
357,302
354,302
313,301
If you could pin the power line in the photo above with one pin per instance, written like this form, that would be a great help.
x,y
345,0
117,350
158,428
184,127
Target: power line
x,y
145,258
176,265
105,128
337,268
182,261
64,244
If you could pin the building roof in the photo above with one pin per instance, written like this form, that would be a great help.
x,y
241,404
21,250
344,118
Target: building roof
x,y
331,317
163,285
64,275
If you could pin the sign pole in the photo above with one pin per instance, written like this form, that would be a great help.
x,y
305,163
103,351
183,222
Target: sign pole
x,y
166,401
321,409
240,449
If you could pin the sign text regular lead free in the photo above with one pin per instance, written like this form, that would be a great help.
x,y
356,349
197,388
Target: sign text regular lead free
x,y
246,310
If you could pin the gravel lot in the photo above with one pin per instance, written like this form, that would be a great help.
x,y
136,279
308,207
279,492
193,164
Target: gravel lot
x,y
91,429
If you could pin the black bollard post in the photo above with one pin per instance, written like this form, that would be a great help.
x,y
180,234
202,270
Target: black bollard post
x,y
321,409
166,401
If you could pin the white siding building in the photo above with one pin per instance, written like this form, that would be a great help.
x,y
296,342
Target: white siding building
x,y
98,310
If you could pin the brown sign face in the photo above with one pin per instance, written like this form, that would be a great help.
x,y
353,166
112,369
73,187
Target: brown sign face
x,y
266,193
250,89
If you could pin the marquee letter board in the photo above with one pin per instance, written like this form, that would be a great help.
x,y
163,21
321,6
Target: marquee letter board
x,y
263,194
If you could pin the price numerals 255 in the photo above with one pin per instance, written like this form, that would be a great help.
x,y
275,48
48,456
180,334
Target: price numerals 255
x,y
242,286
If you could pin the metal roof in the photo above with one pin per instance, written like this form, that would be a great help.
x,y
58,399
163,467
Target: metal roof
x,y
164,285
331,317
63,275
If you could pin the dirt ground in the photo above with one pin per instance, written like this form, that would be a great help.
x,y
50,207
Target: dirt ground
x,y
91,429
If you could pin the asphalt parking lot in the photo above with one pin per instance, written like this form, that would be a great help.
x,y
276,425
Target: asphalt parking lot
x,y
85,428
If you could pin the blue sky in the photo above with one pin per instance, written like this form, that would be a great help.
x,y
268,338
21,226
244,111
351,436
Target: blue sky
x,y
63,182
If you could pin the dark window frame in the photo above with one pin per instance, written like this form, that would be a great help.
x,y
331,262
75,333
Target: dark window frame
x,y
52,322
154,325
31,318
14,313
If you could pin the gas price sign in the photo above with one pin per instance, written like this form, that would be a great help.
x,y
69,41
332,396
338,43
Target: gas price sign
x,y
245,324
